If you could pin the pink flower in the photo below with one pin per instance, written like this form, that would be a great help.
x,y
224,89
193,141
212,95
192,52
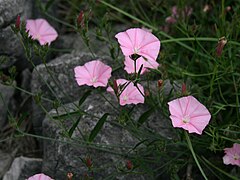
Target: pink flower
x,y
139,41
188,113
129,65
232,155
94,73
129,94
40,177
41,30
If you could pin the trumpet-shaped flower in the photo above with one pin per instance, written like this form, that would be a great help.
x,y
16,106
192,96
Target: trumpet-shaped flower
x,y
139,41
93,73
232,155
128,93
129,65
188,113
41,30
40,177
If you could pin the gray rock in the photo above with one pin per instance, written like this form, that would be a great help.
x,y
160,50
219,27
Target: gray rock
x,y
10,45
6,93
22,168
9,9
111,146
109,150
5,162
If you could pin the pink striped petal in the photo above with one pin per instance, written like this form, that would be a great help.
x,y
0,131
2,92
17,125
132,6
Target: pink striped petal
x,y
189,114
41,30
94,73
40,177
139,41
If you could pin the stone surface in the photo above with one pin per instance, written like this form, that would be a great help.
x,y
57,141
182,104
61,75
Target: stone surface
x,y
10,45
22,168
5,162
60,157
6,93
9,9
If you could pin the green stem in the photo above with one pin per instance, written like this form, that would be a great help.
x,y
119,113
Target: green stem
x,y
194,155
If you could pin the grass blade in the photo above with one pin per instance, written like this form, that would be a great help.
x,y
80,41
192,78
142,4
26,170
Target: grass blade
x,y
98,127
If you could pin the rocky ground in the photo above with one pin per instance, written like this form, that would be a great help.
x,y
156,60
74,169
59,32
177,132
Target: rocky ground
x,y
21,157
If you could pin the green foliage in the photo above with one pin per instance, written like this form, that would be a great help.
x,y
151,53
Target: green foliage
x,y
188,54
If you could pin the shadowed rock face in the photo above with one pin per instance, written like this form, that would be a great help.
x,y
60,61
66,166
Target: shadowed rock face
x,y
111,146
22,168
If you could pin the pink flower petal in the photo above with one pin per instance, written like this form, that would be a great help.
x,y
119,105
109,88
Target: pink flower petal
x,y
189,114
40,177
232,155
139,41
94,73
130,94
41,30
129,65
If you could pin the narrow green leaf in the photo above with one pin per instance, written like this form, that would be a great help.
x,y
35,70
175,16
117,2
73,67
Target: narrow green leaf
x,y
84,97
74,126
143,118
98,127
49,4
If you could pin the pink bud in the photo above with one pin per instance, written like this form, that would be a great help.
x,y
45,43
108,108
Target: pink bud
x,y
80,19
221,43
69,176
160,83
88,162
184,89
18,22
115,86
129,165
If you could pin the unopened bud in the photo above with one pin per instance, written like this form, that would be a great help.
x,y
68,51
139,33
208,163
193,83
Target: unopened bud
x,y
160,83
88,162
80,19
129,165
115,86
69,176
206,8
18,22
184,89
221,43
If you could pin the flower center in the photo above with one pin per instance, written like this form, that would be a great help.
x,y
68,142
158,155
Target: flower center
x,y
94,79
236,157
125,97
38,36
136,50
186,119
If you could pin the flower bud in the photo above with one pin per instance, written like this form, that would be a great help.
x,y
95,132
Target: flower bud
x,y
184,89
160,83
221,43
18,22
69,176
88,162
80,19
129,165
